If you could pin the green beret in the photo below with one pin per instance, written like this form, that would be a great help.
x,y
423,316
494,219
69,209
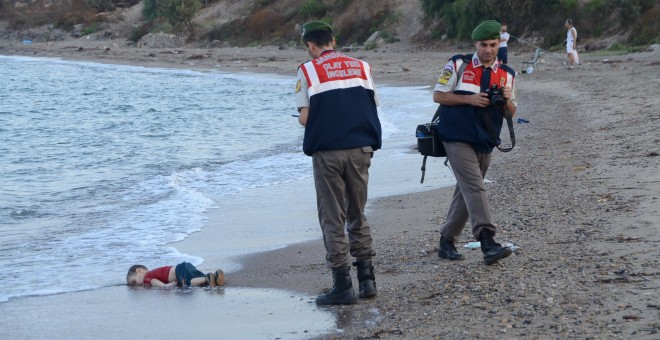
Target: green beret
x,y
314,26
487,30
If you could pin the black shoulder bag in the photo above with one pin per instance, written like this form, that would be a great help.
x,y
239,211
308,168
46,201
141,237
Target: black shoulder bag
x,y
428,140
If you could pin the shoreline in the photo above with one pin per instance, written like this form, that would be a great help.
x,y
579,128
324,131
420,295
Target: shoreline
x,y
579,194
407,68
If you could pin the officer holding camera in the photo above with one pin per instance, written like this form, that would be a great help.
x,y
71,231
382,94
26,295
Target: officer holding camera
x,y
474,99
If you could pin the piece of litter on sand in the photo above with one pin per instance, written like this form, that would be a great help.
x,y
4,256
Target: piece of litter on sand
x,y
472,245
477,245
510,245
522,120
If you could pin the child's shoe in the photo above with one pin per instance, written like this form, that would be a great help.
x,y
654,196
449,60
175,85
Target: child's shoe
x,y
211,280
219,277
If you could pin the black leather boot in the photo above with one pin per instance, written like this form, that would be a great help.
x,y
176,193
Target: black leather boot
x,y
342,292
366,278
492,250
446,250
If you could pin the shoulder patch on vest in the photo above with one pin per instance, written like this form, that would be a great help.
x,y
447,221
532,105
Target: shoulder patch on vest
x,y
445,76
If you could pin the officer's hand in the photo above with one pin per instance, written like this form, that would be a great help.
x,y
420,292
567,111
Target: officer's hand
x,y
506,93
479,99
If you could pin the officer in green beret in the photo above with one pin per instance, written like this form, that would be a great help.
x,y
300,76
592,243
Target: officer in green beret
x,y
470,121
336,97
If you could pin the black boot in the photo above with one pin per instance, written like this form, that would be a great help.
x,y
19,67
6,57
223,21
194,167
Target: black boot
x,y
446,250
366,278
492,250
342,292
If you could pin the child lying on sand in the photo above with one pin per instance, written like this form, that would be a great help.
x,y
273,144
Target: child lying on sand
x,y
168,276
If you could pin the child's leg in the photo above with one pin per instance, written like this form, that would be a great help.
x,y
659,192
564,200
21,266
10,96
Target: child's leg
x,y
198,281
186,273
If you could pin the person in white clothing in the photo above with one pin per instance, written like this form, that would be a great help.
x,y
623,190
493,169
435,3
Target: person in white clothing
x,y
571,44
502,53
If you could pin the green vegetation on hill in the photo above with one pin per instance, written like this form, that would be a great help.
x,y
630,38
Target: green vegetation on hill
x,y
178,13
594,18
619,22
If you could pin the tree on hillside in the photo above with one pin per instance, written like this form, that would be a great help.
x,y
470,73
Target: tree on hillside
x,y
179,13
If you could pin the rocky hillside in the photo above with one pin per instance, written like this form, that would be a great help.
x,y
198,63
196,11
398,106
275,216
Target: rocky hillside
x,y
277,22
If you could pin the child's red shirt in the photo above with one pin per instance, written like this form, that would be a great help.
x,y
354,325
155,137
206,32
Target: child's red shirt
x,y
161,274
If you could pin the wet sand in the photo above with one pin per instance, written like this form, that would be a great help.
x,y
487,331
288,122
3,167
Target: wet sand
x,y
136,313
580,196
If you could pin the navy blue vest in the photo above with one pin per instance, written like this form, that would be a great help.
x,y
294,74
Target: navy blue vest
x,y
342,110
479,127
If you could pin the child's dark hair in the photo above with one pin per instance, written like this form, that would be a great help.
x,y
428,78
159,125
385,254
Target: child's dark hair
x,y
319,38
133,270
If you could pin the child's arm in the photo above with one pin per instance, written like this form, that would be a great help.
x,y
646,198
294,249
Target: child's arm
x,y
159,283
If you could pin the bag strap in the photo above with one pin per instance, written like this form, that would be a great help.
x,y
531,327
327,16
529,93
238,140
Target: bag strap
x,y
491,129
509,124
446,163
423,169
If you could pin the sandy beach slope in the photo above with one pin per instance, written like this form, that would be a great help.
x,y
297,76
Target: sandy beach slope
x,y
579,194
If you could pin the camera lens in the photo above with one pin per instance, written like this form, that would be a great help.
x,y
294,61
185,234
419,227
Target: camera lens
x,y
497,99
495,95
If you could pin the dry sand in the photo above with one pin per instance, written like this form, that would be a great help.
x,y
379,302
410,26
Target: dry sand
x,y
579,195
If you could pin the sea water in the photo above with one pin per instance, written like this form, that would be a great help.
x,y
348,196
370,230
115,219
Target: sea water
x,y
105,165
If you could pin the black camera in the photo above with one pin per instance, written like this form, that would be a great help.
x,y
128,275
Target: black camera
x,y
495,95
